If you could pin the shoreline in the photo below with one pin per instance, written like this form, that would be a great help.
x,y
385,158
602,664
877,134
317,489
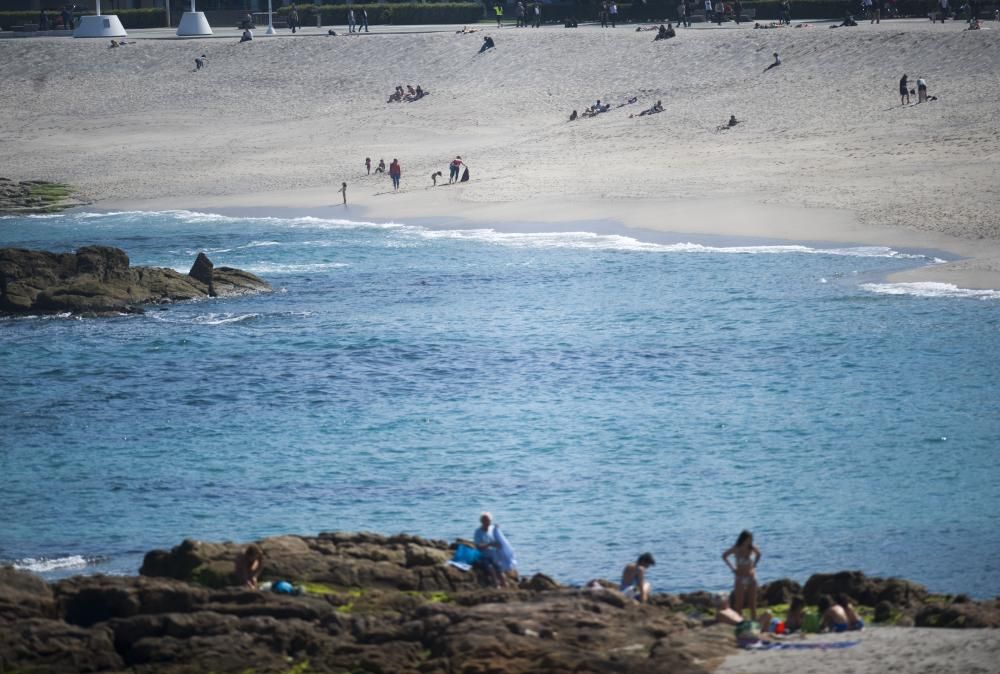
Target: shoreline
x,y
968,264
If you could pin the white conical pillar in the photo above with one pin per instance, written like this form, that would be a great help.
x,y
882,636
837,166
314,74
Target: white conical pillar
x,y
270,20
100,26
193,23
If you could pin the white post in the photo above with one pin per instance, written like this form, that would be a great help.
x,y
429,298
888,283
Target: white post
x,y
166,5
270,19
193,8
98,7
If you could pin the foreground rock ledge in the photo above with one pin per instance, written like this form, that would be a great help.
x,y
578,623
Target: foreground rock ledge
x,y
98,281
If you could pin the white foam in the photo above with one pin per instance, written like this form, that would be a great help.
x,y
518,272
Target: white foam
x,y
278,268
252,244
223,318
930,289
46,564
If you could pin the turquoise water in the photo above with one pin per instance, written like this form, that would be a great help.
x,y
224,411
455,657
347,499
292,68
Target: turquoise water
x,y
601,395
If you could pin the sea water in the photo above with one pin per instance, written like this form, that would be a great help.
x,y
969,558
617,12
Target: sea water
x,y
601,395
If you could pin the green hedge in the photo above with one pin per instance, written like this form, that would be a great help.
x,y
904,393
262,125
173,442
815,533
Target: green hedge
x,y
397,14
662,10
130,18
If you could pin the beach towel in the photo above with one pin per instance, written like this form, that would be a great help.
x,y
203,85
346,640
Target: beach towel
x,y
807,646
505,554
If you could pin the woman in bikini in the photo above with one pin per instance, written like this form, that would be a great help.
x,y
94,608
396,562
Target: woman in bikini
x,y
746,556
634,583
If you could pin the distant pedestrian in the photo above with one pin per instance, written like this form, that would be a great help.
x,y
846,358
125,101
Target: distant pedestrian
x,y
521,23
942,9
293,19
364,19
613,12
538,15
368,165
498,9
877,11
395,172
343,192
604,14
350,21
737,11
904,91
453,169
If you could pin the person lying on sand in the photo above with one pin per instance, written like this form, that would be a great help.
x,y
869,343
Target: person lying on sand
x,y
732,122
657,108
465,30
630,101
777,62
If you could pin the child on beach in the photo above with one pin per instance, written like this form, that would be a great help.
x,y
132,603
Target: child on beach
x,y
368,165
746,557
634,583
434,177
381,166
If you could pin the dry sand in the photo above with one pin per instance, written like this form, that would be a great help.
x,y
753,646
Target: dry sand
x,y
825,152
883,650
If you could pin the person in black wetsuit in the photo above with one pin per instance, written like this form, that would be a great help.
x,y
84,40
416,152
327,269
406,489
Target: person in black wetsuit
x,y
904,91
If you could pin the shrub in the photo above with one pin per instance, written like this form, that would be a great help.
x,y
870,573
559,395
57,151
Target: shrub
x,y
130,18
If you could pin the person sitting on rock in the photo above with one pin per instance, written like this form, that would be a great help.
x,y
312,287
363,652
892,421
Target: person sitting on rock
x,y
487,542
634,583
248,566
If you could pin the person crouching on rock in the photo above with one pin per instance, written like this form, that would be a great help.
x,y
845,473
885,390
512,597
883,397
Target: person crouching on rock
x,y
634,583
248,566
486,540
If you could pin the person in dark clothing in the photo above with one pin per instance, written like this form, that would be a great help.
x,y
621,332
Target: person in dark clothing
x,y
487,44
737,11
904,91
43,21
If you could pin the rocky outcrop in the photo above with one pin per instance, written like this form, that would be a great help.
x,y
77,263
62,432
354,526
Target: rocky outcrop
x,y
34,196
864,589
150,624
97,280
401,562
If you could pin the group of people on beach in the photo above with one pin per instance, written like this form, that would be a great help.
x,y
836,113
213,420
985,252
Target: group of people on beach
x,y
410,94
921,91
527,14
492,555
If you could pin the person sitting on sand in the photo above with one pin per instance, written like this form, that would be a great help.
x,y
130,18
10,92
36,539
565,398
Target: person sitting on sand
x,y
420,93
777,62
833,617
854,621
796,618
733,121
248,565
200,62
573,116
247,35
381,166
634,583
485,539
746,556
487,44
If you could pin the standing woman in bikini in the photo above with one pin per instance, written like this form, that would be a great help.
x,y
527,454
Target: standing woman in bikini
x,y
745,558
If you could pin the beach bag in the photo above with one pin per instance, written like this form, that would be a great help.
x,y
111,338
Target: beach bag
x,y
465,175
466,555
747,633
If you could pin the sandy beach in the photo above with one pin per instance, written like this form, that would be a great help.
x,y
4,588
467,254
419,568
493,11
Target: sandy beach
x,y
882,649
824,151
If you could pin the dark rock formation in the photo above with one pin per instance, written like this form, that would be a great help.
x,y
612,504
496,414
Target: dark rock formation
x,y
864,590
779,592
97,280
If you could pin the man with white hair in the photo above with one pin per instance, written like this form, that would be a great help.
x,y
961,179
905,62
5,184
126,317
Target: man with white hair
x,y
497,556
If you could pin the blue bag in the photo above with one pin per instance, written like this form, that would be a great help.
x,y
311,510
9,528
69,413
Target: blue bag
x,y
466,555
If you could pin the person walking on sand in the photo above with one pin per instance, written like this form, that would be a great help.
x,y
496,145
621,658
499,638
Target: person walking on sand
x,y
343,192
942,10
634,583
364,20
538,15
613,12
293,18
498,9
368,165
395,172
351,23
454,168
746,557
904,91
